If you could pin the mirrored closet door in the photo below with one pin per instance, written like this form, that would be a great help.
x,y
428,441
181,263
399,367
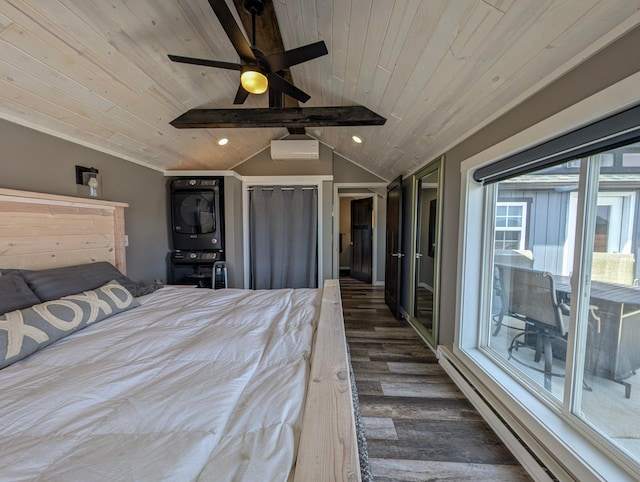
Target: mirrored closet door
x,y
426,255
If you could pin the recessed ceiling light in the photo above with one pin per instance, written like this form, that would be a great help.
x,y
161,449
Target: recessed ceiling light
x,y
356,139
223,141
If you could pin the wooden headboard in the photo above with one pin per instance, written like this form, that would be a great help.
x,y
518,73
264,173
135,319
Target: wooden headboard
x,y
39,231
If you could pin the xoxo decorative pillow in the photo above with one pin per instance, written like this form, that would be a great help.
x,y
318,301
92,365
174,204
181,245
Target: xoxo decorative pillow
x,y
23,332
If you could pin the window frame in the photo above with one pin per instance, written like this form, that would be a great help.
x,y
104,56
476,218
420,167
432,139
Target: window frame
x,y
569,441
522,228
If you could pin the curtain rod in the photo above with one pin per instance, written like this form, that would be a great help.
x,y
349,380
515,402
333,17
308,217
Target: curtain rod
x,y
284,189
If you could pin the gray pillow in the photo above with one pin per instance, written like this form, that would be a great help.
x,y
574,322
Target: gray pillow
x,y
51,284
15,293
23,332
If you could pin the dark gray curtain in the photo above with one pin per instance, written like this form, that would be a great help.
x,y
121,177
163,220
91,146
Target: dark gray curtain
x,y
283,228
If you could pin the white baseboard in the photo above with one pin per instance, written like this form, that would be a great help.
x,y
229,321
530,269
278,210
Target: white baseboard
x,y
498,423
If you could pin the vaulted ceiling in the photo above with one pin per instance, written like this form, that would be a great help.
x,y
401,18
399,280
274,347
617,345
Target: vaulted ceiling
x,y
96,72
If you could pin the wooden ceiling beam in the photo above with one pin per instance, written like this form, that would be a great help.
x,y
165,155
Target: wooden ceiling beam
x,y
269,40
288,117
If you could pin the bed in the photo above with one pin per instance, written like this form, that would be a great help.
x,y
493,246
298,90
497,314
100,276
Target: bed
x,y
174,383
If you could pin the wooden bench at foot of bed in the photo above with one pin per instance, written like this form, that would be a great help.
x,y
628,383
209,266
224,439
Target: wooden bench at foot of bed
x,y
328,449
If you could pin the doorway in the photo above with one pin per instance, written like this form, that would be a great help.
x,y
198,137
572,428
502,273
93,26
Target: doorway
x,y
373,193
360,266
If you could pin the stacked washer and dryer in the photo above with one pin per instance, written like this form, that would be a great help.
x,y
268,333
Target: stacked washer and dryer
x,y
197,232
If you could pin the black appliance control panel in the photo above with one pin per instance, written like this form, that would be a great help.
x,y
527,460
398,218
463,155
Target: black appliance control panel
x,y
196,257
194,183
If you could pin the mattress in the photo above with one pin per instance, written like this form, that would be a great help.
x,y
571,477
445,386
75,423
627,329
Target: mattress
x,y
193,384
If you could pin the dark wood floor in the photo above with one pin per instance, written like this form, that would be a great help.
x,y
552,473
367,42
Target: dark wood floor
x,y
419,426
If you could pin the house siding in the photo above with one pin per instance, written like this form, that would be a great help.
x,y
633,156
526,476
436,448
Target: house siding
x,y
546,231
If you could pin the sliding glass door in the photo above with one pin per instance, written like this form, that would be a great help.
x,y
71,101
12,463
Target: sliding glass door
x,y
564,300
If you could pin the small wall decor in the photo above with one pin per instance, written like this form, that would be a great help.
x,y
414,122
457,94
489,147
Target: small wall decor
x,y
89,181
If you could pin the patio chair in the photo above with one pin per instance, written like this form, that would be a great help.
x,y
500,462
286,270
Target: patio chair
x,y
507,257
530,296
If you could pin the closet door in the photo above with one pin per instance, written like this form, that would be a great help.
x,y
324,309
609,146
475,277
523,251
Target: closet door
x,y
283,237
393,258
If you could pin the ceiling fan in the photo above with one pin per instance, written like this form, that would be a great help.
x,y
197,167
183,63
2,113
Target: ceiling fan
x,y
258,70
261,72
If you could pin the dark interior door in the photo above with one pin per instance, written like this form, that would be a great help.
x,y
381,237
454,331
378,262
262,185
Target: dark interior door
x,y
361,239
393,256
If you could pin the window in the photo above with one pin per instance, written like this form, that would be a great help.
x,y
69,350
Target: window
x,y
518,274
539,328
511,221
553,330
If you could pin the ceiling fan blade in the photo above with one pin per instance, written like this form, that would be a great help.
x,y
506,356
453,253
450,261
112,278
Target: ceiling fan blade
x,y
232,30
259,54
278,83
283,60
206,63
356,115
241,95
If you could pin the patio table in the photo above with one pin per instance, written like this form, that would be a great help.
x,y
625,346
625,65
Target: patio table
x,y
616,350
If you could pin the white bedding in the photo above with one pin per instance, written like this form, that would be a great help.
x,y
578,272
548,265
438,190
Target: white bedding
x,y
194,384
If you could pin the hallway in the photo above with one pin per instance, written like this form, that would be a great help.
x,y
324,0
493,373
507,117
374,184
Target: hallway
x,y
418,425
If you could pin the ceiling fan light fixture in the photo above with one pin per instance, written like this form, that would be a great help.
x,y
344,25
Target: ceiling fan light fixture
x,y
253,80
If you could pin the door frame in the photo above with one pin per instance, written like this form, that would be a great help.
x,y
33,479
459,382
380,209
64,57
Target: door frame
x,y
248,181
393,298
364,191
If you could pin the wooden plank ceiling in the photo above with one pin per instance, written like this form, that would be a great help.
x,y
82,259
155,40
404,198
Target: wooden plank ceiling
x,y
96,72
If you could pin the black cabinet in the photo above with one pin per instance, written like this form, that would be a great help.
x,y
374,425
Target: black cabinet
x,y
194,268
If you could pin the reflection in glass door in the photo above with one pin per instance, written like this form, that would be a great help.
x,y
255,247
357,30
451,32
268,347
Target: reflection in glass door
x,y
424,315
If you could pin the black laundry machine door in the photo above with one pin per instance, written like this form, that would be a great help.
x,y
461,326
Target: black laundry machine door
x,y
195,212
197,216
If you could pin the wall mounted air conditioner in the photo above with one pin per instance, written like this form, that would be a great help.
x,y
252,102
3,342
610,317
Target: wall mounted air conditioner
x,y
295,149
